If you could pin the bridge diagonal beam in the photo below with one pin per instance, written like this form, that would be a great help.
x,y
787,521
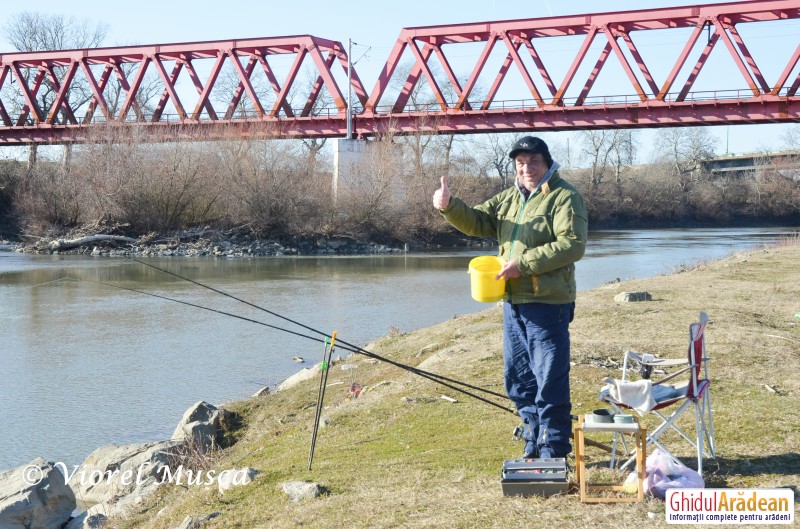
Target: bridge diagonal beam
x,y
244,80
721,29
236,97
413,76
751,62
451,76
357,86
62,88
423,65
3,113
611,35
784,77
97,91
323,79
513,51
698,66
598,66
281,100
273,81
640,62
204,92
385,77
476,72
29,94
169,89
132,89
498,79
681,61
548,81
558,99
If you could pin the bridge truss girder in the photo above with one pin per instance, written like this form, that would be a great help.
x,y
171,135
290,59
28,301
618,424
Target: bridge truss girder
x,y
454,106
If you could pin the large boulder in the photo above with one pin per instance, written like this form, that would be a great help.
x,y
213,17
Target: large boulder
x,y
112,472
35,495
629,297
203,426
236,477
301,376
301,490
304,374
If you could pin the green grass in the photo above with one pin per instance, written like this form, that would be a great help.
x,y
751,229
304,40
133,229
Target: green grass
x,y
401,456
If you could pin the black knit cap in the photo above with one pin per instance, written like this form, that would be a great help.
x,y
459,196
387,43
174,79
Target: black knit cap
x,y
533,145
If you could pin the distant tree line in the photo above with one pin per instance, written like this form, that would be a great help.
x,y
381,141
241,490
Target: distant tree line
x,y
283,188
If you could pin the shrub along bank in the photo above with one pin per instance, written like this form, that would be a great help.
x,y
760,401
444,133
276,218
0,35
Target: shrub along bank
x,y
279,190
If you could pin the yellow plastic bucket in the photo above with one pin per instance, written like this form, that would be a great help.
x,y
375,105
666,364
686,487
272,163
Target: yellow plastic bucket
x,y
482,273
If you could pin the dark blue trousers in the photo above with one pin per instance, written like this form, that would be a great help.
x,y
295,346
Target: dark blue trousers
x,y
536,357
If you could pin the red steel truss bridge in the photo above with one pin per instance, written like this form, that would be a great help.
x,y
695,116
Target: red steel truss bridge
x,y
679,66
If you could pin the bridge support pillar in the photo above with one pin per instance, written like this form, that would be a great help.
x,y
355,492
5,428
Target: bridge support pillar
x,y
348,158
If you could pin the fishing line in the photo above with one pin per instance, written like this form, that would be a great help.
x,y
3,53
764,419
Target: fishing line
x,y
198,307
347,345
439,379
38,284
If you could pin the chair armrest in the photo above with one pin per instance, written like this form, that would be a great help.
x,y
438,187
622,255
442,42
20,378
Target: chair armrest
x,y
669,362
650,360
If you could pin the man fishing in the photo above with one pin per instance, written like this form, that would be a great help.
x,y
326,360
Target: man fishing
x,y
541,229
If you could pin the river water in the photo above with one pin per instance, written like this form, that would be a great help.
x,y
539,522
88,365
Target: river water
x,y
83,365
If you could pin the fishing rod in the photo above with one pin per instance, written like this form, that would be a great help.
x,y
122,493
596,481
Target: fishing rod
x,y
323,383
434,377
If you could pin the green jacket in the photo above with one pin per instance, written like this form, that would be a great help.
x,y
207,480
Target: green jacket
x,y
545,235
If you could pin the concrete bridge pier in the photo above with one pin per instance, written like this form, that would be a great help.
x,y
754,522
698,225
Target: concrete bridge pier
x,y
348,157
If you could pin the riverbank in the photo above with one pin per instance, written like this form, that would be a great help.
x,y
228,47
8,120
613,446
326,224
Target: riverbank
x,y
233,244
112,242
401,456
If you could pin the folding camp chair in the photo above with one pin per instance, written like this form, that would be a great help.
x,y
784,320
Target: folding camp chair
x,y
693,392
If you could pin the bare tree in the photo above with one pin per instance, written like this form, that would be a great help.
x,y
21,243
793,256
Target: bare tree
x,y
791,138
29,31
596,148
686,149
623,154
494,152
39,32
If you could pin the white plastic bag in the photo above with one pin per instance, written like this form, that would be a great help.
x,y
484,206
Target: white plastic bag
x,y
665,472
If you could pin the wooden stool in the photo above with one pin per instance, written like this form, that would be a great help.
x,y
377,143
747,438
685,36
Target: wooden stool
x,y
640,439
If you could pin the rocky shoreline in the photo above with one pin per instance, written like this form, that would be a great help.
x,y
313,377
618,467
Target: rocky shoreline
x,y
114,479
219,245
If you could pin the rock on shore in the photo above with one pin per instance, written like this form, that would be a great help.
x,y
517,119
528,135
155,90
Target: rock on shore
x,y
35,495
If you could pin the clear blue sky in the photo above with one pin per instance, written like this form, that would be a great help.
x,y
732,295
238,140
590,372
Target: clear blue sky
x,y
370,23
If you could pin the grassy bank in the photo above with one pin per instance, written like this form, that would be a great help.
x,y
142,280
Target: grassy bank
x,y
401,456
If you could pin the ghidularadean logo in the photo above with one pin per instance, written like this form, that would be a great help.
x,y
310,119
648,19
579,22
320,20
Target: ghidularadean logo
x,y
730,506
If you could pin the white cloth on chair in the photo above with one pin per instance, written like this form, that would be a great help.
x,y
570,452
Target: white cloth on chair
x,y
636,395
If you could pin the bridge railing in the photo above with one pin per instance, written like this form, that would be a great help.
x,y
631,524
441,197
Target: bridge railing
x,y
435,109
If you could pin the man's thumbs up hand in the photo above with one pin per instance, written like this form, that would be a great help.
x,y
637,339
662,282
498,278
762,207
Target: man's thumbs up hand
x,y
441,198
